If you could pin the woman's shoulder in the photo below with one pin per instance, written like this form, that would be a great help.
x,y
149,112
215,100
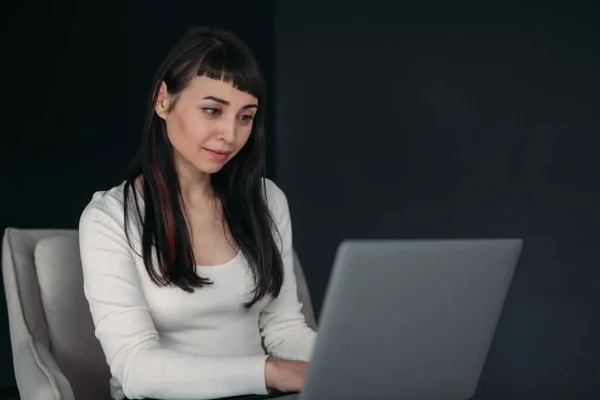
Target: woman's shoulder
x,y
273,191
107,198
276,197
105,203
276,200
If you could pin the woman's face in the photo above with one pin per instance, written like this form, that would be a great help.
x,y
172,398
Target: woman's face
x,y
208,124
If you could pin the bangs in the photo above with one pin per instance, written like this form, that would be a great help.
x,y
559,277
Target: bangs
x,y
216,55
230,64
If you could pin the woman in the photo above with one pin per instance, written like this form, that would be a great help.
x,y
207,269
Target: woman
x,y
187,265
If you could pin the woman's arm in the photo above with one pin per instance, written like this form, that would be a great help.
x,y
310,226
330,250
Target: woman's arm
x,y
126,331
282,323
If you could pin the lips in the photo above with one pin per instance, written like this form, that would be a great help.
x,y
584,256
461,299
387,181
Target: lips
x,y
222,152
217,155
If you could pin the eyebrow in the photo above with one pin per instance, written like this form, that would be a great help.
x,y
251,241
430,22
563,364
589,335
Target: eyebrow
x,y
225,102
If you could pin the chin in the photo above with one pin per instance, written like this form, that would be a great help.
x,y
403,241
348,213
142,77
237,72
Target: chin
x,y
210,169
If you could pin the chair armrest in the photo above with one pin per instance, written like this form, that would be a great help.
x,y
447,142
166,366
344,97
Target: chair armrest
x,y
37,374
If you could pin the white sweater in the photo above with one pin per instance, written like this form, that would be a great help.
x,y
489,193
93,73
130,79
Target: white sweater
x,y
165,343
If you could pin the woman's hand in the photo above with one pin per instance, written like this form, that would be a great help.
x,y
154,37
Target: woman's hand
x,y
285,375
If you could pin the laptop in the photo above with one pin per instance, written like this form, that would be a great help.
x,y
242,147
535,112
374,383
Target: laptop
x,y
409,319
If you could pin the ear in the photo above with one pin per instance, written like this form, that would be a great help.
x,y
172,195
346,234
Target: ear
x,y
162,101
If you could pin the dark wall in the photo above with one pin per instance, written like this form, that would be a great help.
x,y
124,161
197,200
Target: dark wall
x,y
451,123
76,80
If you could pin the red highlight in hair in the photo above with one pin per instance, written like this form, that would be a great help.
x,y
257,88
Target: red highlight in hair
x,y
167,209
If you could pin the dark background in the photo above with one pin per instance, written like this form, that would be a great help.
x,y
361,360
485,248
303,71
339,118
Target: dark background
x,y
454,122
77,76
385,121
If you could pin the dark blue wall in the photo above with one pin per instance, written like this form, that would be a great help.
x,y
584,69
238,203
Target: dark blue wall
x,y
76,80
398,121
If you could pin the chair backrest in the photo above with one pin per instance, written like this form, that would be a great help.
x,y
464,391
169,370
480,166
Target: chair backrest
x,y
49,283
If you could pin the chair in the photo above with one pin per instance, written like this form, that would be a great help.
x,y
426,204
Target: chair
x,y
55,352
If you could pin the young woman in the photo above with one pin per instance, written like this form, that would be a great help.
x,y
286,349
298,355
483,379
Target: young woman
x,y
188,266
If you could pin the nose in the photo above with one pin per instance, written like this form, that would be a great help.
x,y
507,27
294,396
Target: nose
x,y
227,130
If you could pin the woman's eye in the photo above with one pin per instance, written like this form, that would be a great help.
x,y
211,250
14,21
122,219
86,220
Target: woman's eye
x,y
212,111
246,118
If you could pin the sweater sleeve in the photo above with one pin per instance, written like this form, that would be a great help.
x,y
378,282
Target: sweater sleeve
x,y
282,323
125,329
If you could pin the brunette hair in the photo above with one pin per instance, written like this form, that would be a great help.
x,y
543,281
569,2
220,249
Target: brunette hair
x,y
239,185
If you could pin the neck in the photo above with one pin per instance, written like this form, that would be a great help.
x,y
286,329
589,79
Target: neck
x,y
195,185
196,189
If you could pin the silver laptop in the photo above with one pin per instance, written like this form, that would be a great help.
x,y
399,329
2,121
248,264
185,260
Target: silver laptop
x,y
409,319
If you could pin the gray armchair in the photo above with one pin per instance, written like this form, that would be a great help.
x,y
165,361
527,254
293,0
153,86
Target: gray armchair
x,y
55,353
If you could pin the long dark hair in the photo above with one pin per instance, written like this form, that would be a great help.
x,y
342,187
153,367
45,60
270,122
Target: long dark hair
x,y
239,185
